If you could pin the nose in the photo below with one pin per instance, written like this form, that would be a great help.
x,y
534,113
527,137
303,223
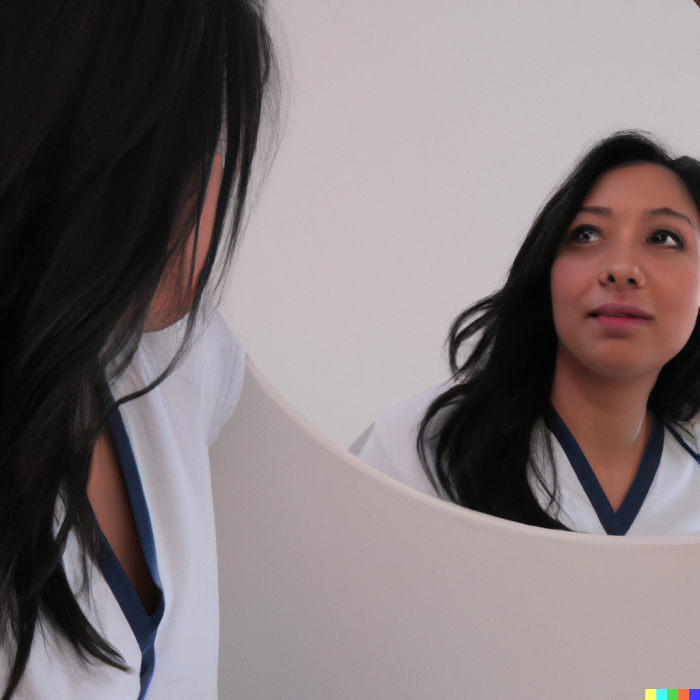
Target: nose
x,y
621,276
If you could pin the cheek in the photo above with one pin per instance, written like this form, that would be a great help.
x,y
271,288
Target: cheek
x,y
569,284
207,219
168,304
678,298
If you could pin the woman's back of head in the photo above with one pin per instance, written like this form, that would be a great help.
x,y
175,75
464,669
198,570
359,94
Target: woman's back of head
x,y
110,115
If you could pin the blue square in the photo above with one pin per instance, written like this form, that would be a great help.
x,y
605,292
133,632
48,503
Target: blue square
x,y
694,694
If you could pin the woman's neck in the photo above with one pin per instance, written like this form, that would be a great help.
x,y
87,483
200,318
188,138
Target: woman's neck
x,y
608,418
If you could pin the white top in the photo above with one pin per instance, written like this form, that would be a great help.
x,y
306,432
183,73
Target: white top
x,y
664,498
169,430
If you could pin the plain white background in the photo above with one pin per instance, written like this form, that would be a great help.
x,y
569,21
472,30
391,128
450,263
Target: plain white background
x,y
420,140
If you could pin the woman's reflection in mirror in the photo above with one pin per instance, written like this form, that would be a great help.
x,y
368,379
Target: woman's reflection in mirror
x,y
576,385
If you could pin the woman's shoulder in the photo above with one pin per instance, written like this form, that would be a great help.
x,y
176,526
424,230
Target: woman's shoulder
x,y
208,379
687,433
391,445
215,365
215,354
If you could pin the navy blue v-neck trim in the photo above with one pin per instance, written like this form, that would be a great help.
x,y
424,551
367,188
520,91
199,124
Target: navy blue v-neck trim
x,y
614,523
143,625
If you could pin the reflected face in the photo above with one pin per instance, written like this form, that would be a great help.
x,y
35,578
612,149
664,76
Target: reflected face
x,y
167,306
626,280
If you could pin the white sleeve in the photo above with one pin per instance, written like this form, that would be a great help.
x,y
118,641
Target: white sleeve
x,y
207,382
391,445
226,354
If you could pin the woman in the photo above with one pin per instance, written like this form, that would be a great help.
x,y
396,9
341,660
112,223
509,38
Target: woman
x,y
125,131
576,384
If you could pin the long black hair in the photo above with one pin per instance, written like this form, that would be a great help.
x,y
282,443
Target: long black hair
x,y
110,115
475,439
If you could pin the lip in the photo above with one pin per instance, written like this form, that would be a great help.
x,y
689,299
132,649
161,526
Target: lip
x,y
615,315
621,310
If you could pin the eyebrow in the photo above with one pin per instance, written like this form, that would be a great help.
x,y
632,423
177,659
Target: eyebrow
x,y
603,211
667,211
663,211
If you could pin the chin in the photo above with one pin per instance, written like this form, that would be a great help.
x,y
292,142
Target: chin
x,y
623,368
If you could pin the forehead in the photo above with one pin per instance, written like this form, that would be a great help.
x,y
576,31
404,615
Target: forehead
x,y
642,186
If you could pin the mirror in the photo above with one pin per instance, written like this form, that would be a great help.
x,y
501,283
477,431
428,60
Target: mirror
x,y
421,139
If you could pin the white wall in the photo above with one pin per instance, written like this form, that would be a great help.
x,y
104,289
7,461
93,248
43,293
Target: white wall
x,y
422,137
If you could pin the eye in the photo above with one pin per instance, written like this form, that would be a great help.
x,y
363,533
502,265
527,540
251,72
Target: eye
x,y
585,234
666,239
